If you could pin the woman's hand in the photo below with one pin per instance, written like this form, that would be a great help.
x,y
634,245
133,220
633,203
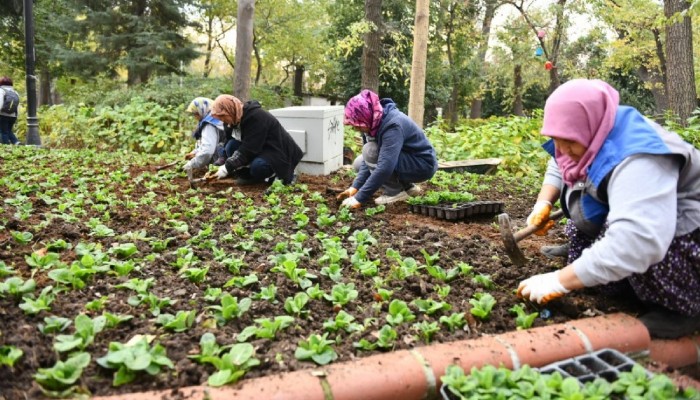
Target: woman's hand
x,y
351,203
540,217
349,192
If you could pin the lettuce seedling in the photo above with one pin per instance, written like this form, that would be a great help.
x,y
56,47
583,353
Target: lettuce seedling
x,y
295,306
482,303
426,330
6,271
523,320
386,337
342,293
9,355
17,287
112,320
85,331
399,313
179,322
317,348
453,321
242,281
342,321
233,365
267,293
46,261
22,237
266,328
54,325
58,245
124,250
195,275
32,306
231,308
431,306
133,357
315,292
483,280
59,380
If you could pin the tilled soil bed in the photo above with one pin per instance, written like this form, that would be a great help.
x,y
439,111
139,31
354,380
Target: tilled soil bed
x,y
100,204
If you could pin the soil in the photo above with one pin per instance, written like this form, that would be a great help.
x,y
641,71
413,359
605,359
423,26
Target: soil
x,y
475,241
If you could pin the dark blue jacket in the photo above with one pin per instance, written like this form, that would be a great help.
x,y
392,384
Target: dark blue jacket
x,y
403,148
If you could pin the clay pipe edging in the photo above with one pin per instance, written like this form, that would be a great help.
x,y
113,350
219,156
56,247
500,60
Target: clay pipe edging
x,y
415,374
676,353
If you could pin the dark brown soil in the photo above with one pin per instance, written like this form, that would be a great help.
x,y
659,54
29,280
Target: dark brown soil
x,y
477,242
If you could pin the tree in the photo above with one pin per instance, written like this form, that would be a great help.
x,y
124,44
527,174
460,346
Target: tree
x,y
372,47
680,82
490,7
142,36
244,48
420,50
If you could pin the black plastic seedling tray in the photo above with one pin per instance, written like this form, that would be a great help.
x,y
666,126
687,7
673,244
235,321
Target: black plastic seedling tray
x,y
605,363
455,211
478,166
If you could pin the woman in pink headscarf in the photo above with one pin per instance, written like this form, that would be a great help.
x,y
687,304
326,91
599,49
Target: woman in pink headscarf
x,y
396,153
631,191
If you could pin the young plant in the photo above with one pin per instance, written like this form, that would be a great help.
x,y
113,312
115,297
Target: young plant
x,y
233,365
179,322
59,380
9,355
112,320
195,275
267,293
342,322
399,313
431,306
17,287
85,331
32,306
54,325
386,338
266,328
342,293
454,321
426,330
482,303
133,357
295,306
317,348
231,308
483,280
523,320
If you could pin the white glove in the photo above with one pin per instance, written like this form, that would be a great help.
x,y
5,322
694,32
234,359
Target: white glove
x,y
222,172
542,288
351,202
187,166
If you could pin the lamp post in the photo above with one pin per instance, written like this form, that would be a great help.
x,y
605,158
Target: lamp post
x,y
32,121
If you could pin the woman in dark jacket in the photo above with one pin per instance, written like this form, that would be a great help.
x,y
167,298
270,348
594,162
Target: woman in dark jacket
x,y
266,152
396,153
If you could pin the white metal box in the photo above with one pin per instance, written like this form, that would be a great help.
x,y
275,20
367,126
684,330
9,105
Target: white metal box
x,y
323,142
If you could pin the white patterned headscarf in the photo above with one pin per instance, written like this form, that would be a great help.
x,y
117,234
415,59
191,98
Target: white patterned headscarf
x,y
200,105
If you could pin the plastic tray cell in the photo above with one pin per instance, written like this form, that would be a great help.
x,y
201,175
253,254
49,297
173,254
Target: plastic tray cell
x,y
605,363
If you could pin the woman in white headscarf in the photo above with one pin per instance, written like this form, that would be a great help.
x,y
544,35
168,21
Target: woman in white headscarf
x,y
208,134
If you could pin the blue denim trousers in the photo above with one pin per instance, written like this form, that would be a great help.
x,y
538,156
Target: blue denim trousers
x,y
6,135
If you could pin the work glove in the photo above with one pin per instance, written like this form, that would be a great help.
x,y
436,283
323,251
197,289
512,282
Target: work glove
x,y
222,172
187,166
190,155
349,192
540,217
542,288
351,202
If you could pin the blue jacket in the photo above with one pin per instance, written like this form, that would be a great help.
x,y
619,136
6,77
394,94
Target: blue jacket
x,y
586,203
403,148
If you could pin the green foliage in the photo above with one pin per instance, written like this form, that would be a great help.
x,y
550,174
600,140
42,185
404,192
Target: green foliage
x,y
59,380
132,357
233,365
179,322
515,140
482,303
9,355
231,308
523,320
317,348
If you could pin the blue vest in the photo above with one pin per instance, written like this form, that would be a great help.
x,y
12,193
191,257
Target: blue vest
x,y
209,120
586,204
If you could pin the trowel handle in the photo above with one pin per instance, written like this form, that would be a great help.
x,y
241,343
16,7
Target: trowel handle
x,y
529,230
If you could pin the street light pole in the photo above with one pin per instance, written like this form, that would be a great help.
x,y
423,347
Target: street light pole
x,y
32,121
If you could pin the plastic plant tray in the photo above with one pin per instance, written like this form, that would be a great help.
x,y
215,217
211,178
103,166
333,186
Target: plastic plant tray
x,y
604,363
455,211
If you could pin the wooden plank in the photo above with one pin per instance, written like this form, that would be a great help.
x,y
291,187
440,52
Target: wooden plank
x,y
476,166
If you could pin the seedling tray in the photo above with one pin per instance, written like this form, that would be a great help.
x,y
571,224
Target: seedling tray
x,y
604,363
477,166
456,211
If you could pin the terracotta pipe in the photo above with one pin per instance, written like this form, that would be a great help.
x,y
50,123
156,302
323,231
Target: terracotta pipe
x,y
414,374
676,353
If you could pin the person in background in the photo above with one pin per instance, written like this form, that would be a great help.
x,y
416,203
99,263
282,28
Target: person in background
x,y
210,137
631,191
396,153
266,151
9,102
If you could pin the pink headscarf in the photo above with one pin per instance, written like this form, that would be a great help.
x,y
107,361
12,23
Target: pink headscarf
x,y
364,111
583,111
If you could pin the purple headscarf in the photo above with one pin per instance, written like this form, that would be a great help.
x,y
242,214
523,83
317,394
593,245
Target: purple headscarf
x,y
364,111
583,111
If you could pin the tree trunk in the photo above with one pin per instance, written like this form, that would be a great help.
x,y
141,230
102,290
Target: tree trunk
x,y
298,80
680,82
45,88
373,42
491,6
244,48
518,90
210,47
416,102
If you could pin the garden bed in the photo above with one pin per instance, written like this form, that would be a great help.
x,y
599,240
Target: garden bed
x,y
141,247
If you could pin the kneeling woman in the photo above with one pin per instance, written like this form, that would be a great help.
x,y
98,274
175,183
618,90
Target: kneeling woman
x,y
266,151
396,153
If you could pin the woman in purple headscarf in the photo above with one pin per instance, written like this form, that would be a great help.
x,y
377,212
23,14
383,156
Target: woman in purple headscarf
x,y
396,153
631,191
